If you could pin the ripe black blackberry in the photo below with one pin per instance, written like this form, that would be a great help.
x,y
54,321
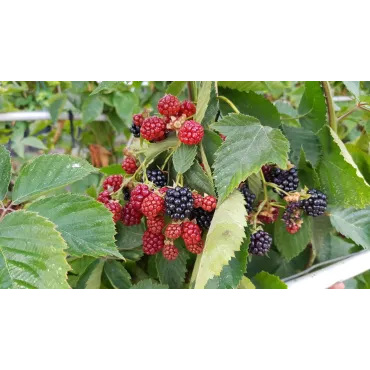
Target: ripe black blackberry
x,y
248,196
291,213
260,243
126,193
179,203
316,204
157,177
135,130
286,180
203,217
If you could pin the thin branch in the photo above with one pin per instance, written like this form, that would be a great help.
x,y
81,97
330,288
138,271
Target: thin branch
x,y
234,108
329,102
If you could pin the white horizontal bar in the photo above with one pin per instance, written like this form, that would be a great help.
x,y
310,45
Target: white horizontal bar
x,y
340,271
342,98
40,116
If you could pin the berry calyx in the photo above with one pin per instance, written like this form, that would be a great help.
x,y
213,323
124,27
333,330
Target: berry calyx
x,y
187,108
173,231
196,248
130,216
169,105
155,224
316,204
152,205
191,133
209,203
138,194
179,203
203,217
129,165
170,252
157,177
198,200
260,243
269,213
152,243
112,183
115,208
249,197
191,233
104,197
153,128
138,119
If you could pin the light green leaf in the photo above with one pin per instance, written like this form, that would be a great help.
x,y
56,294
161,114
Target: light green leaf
x,y
48,172
175,87
113,169
340,178
56,106
173,272
184,156
31,253
334,247
203,100
255,184
129,237
125,103
197,180
264,280
248,146
251,104
353,87
5,171
245,283
300,138
352,223
92,108
91,278
212,108
85,224
244,85
286,108
290,245
105,85
224,238
155,149
117,275
34,142
313,107
149,284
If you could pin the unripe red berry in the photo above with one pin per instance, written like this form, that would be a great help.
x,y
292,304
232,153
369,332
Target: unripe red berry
x,y
191,133
129,165
138,119
113,183
115,208
191,233
152,205
198,200
138,194
209,203
155,224
187,108
170,252
153,128
169,105
130,216
104,197
152,243
196,248
173,231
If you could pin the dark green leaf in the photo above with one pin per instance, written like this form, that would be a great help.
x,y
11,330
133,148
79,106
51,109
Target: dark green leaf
x,y
113,169
92,108
334,247
117,274
212,108
129,237
5,171
149,284
91,277
56,106
197,180
211,142
184,156
125,103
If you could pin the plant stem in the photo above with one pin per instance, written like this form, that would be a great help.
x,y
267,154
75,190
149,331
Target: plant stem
x,y
205,163
271,184
192,91
234,108
264,184
330,104
312,257
347,114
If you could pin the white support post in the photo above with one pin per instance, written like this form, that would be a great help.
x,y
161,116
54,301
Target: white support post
x,y
40,116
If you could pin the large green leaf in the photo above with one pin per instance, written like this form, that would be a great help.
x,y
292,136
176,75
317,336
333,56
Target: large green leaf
x,y
244,85
173,272
339,176
233,272
85,224
105,85
307,174
184,156
300,138
197,179
117,274
149,284
361,159
334,247
353,87
129,237
155,149
353,223
248,146
31,253
92,108
264,280
203,100
224,238
251,104
48,172
175,87
5,171
91,277
125,103
313,107
211,142
291,245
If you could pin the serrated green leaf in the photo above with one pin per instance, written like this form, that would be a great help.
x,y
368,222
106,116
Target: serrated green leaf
x,y
353,87
5,171
212,108
203,100
197,180
91,277
34,142
31,253
155,149
129,237
290,245
361,159
340,178
255,184
149,284
245,283
211,142
113,169
334,247
85,224
233,272
92,108
251,104
264,280
105,85
286,108
117,275
248,146
307,174
353,223
78,265
175,87
300,138
125,103
184,156
313,107
173,273
224,238
244,85
48,172
56,106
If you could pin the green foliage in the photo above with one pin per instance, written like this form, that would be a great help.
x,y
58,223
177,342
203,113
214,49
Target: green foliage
x,y
183,158
264,280
197,179
5,171
175,88
117,275
149,284
92,108
203,99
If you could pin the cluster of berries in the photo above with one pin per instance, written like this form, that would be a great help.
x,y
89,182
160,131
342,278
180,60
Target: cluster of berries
x,y
175,117
314,203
